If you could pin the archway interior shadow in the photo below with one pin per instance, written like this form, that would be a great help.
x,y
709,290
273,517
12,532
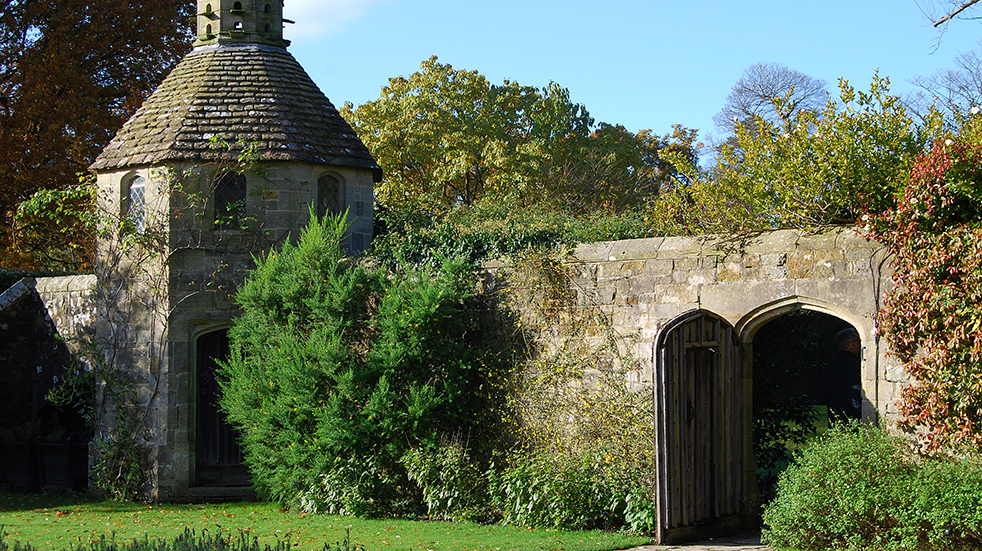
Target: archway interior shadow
x,y
219,459
790,355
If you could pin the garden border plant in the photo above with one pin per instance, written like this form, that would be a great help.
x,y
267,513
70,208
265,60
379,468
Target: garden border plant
x,y
860,487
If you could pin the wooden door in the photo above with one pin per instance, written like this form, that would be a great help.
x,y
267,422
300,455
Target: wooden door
x,y
219,459
699,401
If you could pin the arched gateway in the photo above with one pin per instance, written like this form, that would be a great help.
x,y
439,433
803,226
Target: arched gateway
x,y
688,309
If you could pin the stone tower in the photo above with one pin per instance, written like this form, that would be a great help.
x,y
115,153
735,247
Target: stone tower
x,y
225,160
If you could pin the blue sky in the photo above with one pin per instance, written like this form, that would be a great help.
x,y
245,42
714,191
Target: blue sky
x,y
643,64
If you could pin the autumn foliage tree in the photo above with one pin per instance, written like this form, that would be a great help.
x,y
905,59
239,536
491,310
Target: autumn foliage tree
x,y
933,316
71,72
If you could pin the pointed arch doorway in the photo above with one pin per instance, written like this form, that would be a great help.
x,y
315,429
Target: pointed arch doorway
x,y
701,419
218,457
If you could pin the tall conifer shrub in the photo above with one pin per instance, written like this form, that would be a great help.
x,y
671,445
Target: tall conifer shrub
x,y
337,371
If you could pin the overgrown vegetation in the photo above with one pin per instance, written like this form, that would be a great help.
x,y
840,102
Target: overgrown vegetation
x,y
858,487
932,316
585,434
381,392
829,166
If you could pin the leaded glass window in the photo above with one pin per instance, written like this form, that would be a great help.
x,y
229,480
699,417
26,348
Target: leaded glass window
x,y
230,201
136,210
329,196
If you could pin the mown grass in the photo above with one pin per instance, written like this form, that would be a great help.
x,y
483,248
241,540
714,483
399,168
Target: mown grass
x,y
54,522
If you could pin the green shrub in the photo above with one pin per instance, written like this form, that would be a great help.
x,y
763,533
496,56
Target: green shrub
x,y
948,504
573,492
848,490
453,487
336,372
858,487
494,231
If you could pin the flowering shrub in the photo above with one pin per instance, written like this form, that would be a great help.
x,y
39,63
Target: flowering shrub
x,y
932,316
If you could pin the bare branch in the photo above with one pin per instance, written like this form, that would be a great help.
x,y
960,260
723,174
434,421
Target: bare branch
x,y
958,10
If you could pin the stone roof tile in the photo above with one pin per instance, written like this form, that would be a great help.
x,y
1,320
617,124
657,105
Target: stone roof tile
x,y
230,92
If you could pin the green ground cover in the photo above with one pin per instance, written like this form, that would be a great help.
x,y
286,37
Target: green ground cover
x,y
56,522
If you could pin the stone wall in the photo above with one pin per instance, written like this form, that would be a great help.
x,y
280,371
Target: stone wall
x,y
643,285
42,325
71,304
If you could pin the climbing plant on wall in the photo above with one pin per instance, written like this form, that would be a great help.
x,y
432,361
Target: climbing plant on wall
x,y
585,436
932,316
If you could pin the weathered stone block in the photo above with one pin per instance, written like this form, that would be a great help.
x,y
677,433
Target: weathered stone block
x,y
801,265
729,271
659,266
701,277
686,264
641,285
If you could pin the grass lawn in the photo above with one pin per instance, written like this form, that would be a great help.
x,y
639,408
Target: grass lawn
x,y
54,522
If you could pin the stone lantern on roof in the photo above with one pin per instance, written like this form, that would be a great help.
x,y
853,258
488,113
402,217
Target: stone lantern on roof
x,y
225,160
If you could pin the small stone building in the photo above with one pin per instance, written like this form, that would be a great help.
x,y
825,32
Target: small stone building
x,y
225,160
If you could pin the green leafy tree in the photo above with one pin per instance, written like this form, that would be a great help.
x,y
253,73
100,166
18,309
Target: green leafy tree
x,y
828,166
337,372
932,315
448,137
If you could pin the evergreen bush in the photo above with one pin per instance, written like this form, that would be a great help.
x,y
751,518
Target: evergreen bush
x,y
337,371
858,487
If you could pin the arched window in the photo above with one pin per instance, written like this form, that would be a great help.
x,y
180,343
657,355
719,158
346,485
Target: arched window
x,y
208,29
237,6
136,207
330,196
269,9
207,8
268,27
230,201
238,25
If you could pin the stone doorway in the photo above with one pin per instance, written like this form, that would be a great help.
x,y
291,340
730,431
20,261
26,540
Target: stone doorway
x,y
218,457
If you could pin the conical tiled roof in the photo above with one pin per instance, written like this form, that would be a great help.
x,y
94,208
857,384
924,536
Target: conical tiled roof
x,y
233,92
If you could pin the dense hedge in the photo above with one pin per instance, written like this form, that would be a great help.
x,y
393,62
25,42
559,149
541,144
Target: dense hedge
x,y
860,488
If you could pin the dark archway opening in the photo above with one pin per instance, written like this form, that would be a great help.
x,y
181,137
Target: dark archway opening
x,y
219,460
791,354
